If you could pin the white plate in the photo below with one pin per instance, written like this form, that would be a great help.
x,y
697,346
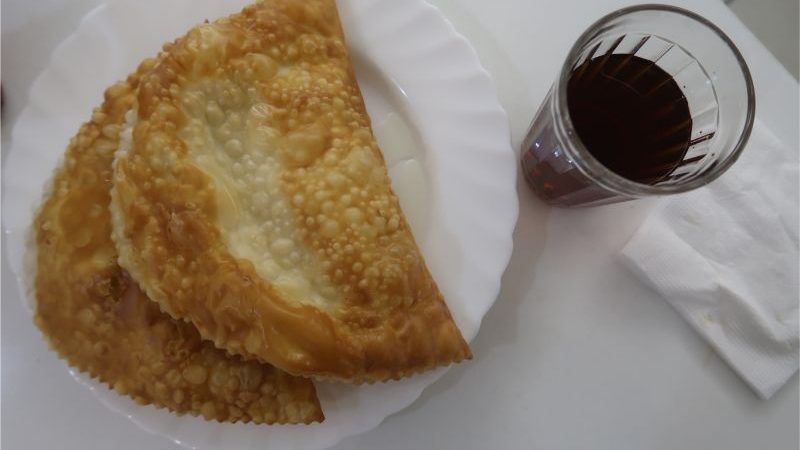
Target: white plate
x,y
436,116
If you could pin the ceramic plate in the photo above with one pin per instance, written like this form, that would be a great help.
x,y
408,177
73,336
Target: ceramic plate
x,y
435,114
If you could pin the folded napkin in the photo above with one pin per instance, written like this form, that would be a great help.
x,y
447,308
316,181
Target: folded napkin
x,y
726,258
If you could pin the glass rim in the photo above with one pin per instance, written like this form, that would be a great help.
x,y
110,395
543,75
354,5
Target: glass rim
x,y
587,163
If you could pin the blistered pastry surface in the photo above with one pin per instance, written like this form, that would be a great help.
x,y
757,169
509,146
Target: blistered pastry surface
x,y
255,203
97,319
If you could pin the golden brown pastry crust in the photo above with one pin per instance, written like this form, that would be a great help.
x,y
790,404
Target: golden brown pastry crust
x,y
365,306
96,318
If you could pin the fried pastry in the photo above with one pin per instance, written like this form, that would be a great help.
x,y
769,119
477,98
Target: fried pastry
x,y
96,318
254,202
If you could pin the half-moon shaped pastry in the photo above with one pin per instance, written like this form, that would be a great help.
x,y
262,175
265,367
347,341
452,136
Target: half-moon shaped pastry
x,y
96,318
254,202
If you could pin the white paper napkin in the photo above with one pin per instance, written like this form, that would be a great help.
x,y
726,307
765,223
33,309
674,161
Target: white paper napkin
x,y
726,258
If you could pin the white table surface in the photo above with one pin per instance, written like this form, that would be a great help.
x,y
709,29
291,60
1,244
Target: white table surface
x,y
575,354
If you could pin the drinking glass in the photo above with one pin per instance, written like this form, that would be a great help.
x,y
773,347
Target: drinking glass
x,y
711,74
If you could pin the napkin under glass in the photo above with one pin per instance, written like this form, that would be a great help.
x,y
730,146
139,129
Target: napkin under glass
x,y
726,257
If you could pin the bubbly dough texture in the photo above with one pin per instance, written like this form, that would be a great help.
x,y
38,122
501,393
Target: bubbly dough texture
x,y
96,318
254,202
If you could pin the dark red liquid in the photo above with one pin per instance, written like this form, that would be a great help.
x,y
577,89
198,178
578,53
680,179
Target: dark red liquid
x,y
631,115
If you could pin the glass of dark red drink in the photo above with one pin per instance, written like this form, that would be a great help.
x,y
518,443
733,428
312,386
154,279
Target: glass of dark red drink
x,y
651,100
